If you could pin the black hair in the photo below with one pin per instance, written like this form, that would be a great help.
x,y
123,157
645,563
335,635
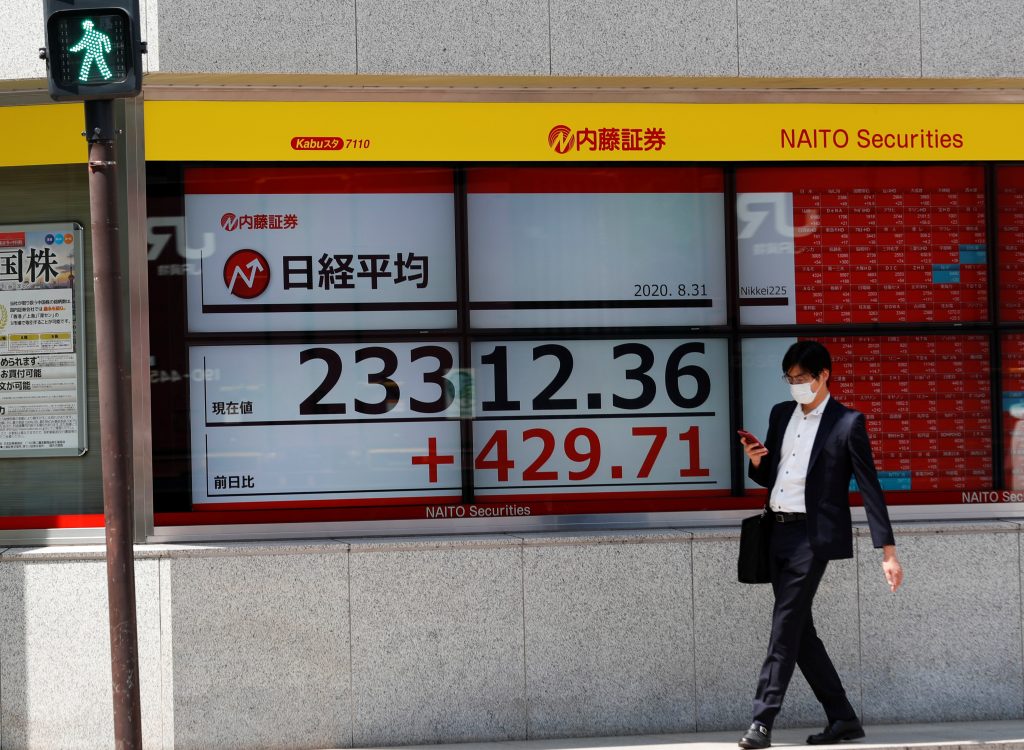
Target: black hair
x,y
811,356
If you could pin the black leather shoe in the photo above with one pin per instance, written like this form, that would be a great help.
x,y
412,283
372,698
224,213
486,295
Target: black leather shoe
x,y
837,731
757,737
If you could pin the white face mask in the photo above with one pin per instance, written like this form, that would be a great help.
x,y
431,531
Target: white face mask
x,y
802,393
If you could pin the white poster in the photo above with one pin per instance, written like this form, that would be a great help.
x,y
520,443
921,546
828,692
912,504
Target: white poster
x,y
767,274
325,422
634,416
309,261
596,259
42,390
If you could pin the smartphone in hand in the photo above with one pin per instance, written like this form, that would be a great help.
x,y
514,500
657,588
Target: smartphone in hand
x,y
750,438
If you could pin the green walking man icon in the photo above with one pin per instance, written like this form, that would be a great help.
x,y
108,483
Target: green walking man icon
x,y
96,44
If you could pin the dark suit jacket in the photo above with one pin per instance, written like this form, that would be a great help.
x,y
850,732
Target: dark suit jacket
x,y
841,449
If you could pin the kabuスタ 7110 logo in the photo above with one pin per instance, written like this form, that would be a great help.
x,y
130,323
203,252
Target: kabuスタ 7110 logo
x,y
563,139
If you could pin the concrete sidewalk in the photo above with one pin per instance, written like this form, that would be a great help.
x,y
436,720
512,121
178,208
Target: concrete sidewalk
x,y
1006,735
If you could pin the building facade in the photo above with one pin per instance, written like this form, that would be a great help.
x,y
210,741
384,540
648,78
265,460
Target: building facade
x,y
442,320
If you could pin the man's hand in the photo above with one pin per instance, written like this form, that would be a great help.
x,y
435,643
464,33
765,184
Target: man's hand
x,y
755,451
891,567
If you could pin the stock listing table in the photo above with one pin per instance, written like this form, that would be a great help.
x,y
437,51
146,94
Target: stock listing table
x,y
868,245
1010,205
889,256
928,406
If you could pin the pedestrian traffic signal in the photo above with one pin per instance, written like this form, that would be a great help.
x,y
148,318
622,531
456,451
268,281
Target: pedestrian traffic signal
x,y
93,49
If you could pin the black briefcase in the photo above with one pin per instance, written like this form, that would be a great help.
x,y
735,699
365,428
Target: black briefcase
x,y
755,533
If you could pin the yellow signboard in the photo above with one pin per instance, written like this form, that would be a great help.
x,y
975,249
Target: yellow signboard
x,y
553,132
535,132
43,134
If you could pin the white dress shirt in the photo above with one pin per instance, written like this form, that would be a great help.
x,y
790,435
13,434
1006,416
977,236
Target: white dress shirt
x,y
788,492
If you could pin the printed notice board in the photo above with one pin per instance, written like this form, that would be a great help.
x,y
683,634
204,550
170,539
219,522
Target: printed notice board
x,y
42,351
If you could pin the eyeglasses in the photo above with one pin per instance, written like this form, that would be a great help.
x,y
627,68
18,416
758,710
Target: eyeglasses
x,y
799,379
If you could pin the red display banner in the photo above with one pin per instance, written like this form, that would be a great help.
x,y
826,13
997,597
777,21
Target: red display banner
x,y
1010,205
869,244
928,407
326,180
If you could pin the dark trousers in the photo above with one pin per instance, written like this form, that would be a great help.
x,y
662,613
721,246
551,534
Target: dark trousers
x,y
796,573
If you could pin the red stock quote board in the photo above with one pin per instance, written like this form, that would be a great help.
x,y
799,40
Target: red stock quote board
x,y
1010,202
1013,410
862,244
928,407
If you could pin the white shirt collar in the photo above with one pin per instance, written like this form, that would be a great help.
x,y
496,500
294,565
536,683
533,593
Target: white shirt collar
x,y
817,411
820,408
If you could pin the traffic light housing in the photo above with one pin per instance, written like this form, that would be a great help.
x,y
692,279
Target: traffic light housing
x,y
93,49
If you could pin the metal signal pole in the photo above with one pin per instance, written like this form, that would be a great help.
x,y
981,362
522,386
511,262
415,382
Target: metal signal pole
x,y
93,54
114,423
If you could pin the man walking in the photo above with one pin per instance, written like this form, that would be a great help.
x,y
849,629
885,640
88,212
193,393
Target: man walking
x,y
812,449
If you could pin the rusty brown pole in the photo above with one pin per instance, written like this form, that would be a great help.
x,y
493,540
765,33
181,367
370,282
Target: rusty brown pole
x,y
112,364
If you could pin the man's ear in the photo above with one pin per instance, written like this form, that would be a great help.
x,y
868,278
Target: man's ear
x,y
825,376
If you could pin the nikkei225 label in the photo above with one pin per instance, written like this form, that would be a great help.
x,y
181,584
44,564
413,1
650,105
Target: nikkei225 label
x,y
615,415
